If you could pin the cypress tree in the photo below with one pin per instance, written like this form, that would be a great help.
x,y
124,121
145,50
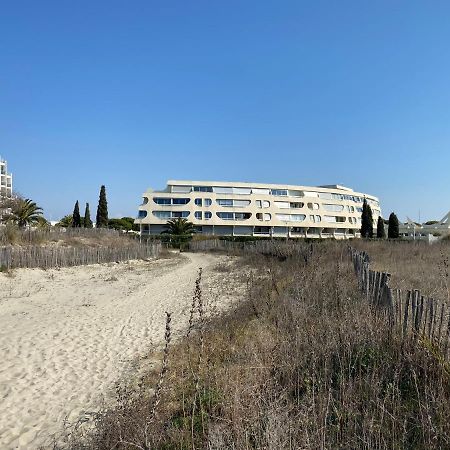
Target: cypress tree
x,y
366,221
87,217
76,219
393,232
381,233
102,210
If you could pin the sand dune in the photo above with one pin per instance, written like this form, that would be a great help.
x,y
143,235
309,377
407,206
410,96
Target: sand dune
x,y
66,336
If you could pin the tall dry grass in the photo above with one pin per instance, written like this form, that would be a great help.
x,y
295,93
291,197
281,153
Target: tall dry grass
x,y
303,363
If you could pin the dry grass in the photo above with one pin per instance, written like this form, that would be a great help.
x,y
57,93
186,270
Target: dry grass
x,y
302,363
413,265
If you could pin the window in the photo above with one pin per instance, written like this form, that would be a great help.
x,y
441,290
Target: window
x,y
198,215
225,215
263,216
162,214
297,205
313,205
283,205
242,191
261,230
180,201
142,214
334,219
171,201
223,190
297,217
260,191
242,216
198,202
325,195
295,193
283,217
241,203
332,207
208,215
181,189
262,203
178,214
267,216
203,189
208,202
162,201
224,202
144,200
279,192
310,194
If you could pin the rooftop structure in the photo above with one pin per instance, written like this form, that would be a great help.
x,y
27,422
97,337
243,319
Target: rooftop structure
x,y
257,209
5,180
429,231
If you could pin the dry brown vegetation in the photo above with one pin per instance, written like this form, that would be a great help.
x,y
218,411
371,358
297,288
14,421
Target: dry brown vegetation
x,y
304,362
53,247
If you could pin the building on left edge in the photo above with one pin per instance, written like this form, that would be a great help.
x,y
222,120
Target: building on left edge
x,y
5,180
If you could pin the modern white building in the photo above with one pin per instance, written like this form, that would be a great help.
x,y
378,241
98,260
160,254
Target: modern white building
x,y
255,209
429,231
5,180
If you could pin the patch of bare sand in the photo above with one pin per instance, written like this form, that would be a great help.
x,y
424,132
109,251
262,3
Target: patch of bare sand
x,y
67,336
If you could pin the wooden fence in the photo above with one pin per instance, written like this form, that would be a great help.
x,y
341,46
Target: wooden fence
x,y
410,312
53,257
280,249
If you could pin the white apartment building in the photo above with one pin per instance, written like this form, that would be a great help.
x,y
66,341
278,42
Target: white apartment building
x,y
5,180
255,209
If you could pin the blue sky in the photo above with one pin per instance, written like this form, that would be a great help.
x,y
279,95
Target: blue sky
x,y
132,93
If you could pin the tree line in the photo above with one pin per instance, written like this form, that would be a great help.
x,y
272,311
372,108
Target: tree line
x,y
367,224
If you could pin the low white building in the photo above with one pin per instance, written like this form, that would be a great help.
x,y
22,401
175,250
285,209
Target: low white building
x,y
255,209
430,231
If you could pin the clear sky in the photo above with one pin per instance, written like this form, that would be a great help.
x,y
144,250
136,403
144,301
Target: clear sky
x,y
131,93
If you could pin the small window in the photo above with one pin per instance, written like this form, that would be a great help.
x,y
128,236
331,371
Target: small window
x,y
203,189
142,214
208,215
208,202
224,202
198,202
279,192
313,205
198,215
258,203
180,201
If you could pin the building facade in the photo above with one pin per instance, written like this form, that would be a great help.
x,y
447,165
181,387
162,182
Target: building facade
x,y
5,180
429,231
254,209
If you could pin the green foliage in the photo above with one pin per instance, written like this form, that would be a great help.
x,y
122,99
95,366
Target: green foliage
x,y
65,222
381,233
24,213
102,209
393,230
366,221
120,224
87,217
76,219
180,231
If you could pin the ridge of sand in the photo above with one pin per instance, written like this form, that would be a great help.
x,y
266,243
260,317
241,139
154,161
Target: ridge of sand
x,y
66,336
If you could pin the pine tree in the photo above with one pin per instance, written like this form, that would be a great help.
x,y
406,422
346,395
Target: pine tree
x,y
87,217
381,233
102,210
366,221
393,232
76,219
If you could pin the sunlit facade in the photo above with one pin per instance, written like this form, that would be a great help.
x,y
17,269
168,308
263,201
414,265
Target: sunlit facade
x,y
255,209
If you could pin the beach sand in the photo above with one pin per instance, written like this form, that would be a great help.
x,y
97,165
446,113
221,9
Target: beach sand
x,y
68,335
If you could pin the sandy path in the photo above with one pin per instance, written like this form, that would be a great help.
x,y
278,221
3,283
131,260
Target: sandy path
x,y
66,336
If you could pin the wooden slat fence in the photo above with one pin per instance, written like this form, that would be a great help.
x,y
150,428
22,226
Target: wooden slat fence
x,y
275,248
53,257
410,312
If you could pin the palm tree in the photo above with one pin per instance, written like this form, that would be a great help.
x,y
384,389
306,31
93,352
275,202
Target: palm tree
x,y
25,212
179,227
